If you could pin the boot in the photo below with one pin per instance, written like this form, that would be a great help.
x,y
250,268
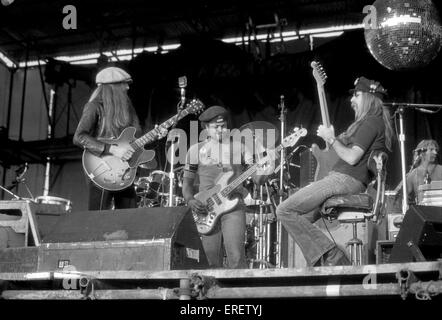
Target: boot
x,y
333,257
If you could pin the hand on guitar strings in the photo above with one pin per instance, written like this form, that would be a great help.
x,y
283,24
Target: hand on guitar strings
x,y
326,133
123,152
161,131
197,206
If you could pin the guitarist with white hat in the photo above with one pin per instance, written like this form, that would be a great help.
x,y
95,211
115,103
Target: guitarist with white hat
x,y
107,113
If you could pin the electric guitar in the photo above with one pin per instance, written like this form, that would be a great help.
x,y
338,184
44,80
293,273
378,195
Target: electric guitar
x,y
217,198
326,158
112,173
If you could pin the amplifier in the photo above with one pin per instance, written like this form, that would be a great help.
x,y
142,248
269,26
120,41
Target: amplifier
x,y
114,240
308,165
383,250
394,224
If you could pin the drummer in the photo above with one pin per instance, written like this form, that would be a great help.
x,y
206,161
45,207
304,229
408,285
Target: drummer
x,y
425,166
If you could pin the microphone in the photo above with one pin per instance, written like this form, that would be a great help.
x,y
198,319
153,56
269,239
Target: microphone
x,y
21,170
182,83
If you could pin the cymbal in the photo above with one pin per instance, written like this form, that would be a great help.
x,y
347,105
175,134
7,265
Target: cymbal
x,y
149,165
268,130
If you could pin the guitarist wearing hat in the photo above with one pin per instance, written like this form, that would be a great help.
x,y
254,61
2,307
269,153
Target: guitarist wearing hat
x,y
370,131
107,113
206,162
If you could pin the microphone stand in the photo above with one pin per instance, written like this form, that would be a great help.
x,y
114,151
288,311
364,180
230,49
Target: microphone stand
x,y
401,107
172,173
10,192
281,184
182,82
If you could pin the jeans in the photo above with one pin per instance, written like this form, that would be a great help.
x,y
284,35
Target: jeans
x,y
231,231
298,212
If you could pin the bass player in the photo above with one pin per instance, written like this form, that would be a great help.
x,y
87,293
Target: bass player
x,y
206,162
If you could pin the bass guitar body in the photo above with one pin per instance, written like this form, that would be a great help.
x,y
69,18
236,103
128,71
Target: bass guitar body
x,y
325,159
217,205
217,199
110,172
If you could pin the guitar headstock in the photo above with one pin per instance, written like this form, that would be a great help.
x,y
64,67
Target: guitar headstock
x,y
195,106
291,140
318,73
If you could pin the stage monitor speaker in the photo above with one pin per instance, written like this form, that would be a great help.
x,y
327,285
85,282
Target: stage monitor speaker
x,y
127,239
420,236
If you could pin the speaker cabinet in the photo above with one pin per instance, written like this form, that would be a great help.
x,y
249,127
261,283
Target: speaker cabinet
x,y
308,167
420,236
118,240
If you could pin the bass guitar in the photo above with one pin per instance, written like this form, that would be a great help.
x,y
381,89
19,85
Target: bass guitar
x,y
112,173
217,199
326,158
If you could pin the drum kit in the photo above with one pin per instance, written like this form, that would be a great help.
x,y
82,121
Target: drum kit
x,y
153,190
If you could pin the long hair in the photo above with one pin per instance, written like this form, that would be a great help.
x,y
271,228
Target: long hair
x,y
117,111
424,144
372,106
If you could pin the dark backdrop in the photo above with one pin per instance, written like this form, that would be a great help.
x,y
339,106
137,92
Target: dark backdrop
x,y
250,87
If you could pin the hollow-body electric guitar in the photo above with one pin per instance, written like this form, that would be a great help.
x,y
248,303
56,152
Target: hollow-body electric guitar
x,y
217,198
112,173
326,158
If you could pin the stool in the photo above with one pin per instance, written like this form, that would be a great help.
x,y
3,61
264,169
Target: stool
x,y
355,244
359,208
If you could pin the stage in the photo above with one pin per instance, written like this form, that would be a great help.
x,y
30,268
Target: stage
x,y
419,280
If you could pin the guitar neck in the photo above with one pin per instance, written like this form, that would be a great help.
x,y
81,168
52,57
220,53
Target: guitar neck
x,y
242,177
324,109
152,134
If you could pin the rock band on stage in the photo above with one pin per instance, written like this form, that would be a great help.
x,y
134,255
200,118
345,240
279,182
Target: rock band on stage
x,y
220,176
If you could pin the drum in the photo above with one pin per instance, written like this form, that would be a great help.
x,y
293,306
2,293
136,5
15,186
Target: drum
x,y
65,203
159,183
151,187
153,191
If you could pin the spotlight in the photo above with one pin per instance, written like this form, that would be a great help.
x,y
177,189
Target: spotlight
x,y
7,2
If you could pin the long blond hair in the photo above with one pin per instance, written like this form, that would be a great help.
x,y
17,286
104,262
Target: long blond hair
x,y
424,144
372,106
118,112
